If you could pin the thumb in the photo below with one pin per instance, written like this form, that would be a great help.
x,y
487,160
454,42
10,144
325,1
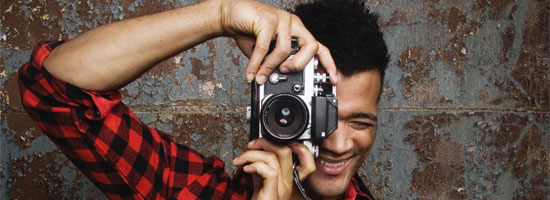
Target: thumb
x,y
307,162
245,44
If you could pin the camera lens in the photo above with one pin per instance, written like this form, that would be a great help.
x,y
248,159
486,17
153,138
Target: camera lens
x,y
284,117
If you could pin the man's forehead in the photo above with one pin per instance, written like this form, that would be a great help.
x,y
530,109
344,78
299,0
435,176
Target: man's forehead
x,y
358,95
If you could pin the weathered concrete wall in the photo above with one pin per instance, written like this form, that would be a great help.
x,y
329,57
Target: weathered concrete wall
x,y
465,112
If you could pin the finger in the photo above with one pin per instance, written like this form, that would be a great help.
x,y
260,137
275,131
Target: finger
x,y
258,54
269,188
283,153
281,50
325,58
252,156
307,50
308,47
279,53
258,184
307,162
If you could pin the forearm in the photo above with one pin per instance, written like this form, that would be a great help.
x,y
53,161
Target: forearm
x,y
110,56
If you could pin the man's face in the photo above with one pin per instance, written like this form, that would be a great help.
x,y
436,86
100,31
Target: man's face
x,y
343,152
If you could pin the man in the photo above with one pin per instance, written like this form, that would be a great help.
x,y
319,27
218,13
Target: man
x,y
361,56
69,89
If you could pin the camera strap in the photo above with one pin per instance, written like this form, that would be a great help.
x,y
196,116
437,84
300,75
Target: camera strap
x,y
298,183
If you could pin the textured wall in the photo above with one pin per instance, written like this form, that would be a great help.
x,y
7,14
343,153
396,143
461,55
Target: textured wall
x,y
465,112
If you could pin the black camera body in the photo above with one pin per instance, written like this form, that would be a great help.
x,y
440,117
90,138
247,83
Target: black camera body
x,y
294,106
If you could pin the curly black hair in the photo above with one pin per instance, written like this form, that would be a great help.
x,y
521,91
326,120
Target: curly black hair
x,y
349,31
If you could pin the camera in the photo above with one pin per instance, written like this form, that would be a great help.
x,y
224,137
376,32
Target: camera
x,y
299,106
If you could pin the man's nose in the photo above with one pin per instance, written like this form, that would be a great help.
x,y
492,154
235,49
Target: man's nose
x,y
340,141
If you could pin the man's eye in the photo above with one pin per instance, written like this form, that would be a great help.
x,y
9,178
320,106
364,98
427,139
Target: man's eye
x,y
360,125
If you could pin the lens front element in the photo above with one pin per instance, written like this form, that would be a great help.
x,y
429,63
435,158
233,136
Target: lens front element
x,y
284,117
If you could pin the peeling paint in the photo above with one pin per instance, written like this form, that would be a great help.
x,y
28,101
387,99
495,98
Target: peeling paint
x,y
207,88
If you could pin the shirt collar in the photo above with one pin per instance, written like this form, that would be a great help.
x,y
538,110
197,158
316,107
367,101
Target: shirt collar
x,y
355,191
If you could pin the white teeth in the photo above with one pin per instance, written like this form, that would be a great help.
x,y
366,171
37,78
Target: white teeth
x,y
331,164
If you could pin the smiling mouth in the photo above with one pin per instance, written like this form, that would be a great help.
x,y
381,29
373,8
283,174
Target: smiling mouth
x,y
332,168
338,164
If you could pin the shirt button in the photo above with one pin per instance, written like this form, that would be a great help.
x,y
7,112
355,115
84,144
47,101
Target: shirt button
x,y
97,114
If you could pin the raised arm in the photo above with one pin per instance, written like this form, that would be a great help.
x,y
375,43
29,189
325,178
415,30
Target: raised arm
x,y
110,56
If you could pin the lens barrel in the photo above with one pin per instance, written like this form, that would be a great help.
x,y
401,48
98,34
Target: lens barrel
x,y
284,117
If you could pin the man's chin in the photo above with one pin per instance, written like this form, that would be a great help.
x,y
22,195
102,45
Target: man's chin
x,y
326,186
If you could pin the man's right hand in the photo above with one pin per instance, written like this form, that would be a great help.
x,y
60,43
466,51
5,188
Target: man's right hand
x,y
252,22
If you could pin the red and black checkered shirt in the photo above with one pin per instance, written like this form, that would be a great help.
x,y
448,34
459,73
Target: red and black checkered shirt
x,y
121,155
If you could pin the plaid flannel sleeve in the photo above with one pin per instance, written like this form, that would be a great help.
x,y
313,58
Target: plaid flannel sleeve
x,y
122,156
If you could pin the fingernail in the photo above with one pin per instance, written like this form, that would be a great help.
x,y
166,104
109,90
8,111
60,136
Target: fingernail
x,y
251,142
235,159
283,69
249,77
260,79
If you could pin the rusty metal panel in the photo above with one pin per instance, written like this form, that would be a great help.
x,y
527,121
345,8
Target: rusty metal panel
x,y
464,113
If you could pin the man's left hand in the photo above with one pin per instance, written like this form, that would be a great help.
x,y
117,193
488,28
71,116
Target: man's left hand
x,y
271,167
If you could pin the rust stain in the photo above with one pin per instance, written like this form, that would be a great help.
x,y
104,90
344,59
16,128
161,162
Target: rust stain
x,y
483,96
168,66
508,36
455,19
234,58
519,150
514,93
398,17
25,131
2,68
11,88
460,27
432,12
497,9
543,117
496,101
532,70
503,134
509,131
36,177
531,161
147,7
200,71
527,153
210,126
416,84
443,160
427,92
24,31
454,53
377,186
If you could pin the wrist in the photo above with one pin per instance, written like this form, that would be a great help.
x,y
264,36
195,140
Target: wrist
x,y
214,9
204,17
